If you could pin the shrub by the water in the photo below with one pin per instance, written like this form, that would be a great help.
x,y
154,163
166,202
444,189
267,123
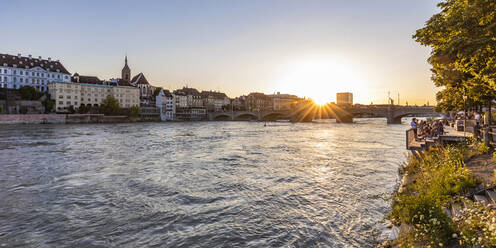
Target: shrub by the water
x,y
438,177
476,226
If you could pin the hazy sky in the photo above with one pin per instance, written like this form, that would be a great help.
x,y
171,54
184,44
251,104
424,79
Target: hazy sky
x,y
309,48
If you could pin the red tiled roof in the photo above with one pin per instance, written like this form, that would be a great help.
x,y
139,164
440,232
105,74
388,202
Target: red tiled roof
x,y
28,63
139,79
86,79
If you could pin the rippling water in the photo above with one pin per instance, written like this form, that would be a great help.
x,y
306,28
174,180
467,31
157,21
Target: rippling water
x,y
198,184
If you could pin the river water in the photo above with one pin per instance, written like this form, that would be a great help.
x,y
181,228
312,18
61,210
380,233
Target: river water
x,y
197,184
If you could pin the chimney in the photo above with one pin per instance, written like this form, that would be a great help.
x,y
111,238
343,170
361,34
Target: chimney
x,y
30,57
49,59
19,55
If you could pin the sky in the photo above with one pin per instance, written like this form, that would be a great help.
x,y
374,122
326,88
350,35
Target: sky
x,y
310,48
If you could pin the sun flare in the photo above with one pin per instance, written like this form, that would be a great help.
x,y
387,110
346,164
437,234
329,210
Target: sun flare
x,y
320,79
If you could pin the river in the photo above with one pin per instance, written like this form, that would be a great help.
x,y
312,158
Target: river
x,y
197,184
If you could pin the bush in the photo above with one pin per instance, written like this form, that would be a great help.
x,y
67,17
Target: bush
x,y
49,105
23,110
28,93
110,106
439,177
476,226
429,223
83,109
134,111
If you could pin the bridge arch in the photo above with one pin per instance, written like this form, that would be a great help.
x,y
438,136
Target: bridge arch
x,y
245,116
222,117
272,116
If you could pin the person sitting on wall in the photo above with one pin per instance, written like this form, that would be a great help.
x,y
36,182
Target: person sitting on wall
x,y
413,124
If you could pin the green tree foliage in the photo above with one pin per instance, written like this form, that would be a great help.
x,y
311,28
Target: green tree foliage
x,y
83,109
71,110
23,110
463,57
110,106
134,111
28,93
49,105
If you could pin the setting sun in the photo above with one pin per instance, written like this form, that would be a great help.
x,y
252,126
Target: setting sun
x,y
320,79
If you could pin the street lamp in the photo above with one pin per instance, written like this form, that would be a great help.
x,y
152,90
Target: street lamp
x,y
464,115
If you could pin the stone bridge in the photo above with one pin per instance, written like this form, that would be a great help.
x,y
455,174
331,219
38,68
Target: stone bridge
x,y
342,114
393,113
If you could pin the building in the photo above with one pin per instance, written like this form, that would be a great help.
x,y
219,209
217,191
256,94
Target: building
x,y
239,103
90,91
165,102
258,102
18,71
189,104
283,102
147,99
344,98
126,71
215,101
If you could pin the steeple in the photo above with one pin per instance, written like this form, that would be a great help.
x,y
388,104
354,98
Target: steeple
x,y
126,72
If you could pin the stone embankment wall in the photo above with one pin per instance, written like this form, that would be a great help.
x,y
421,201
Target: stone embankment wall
x,y
63,119
32,119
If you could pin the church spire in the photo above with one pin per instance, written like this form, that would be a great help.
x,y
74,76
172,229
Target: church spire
x,y
126,71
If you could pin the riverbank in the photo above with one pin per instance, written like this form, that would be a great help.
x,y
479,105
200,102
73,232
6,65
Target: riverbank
x,y
441,201
66,119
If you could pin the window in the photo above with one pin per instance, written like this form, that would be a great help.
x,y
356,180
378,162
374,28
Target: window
x,y
61,97
15,80
58,76
21,79
61,102
68,97
75,103
75,97
68,103
15,72
22,73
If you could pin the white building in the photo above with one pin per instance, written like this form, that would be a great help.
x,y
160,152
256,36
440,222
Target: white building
x,y
18,71
166,103
90,91
146,90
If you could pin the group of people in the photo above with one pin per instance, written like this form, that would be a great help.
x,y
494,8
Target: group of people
x,y
427,130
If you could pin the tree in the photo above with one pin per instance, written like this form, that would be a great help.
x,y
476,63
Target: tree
x,y
23,110
28,93
110,106
463,56
134,111
49,105
83,109
71,110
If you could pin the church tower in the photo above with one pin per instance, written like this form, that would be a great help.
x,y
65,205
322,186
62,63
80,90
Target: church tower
x,y
126,72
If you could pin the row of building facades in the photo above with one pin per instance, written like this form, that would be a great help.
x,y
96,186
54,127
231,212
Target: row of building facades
x,y
71,91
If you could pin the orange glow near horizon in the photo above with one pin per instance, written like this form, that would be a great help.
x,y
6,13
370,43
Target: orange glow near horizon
x,y
320,78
